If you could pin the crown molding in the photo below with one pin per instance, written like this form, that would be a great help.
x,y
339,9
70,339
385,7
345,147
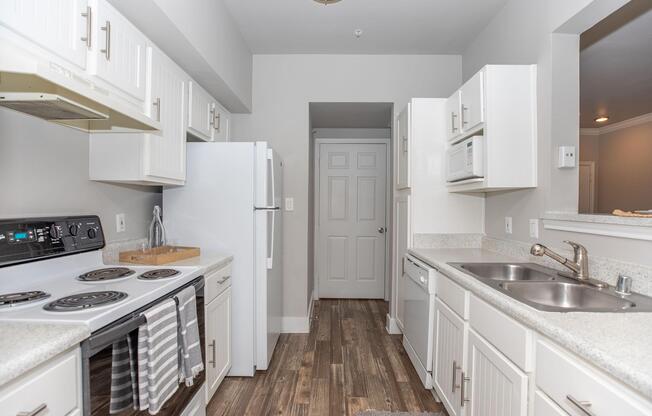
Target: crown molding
x,y
635,121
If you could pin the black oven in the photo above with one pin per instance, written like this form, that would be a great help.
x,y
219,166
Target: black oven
x,y
96,361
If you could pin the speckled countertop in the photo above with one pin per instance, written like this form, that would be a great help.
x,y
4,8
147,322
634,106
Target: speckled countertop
x,y
25,345
618,343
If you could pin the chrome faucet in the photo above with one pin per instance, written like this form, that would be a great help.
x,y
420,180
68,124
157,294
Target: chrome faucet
x,y
579,265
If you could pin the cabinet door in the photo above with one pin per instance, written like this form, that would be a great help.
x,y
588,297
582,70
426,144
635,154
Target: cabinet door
x,y
119,51
201,110
221,120
494,386
401,244
218,341
450,349
56,25
453,129
403,149
472,97
166,150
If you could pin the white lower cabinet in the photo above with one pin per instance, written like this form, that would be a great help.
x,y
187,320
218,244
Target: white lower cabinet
x,y
492,386
543,406
449,358
54,388
218,341
401,244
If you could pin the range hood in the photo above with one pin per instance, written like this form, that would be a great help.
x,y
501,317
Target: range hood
x,y
34,84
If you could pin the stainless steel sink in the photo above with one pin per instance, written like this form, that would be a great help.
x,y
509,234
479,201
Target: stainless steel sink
x,y
546,290
567,296
507,271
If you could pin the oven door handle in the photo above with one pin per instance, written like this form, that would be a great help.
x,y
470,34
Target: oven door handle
x,y
99,341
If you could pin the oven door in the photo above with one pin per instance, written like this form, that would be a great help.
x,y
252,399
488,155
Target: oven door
x,y
96,362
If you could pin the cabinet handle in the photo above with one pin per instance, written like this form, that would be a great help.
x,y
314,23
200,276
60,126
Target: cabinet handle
x,y
37,411
405,147
219,282
88,14
455,368
157,104
214,348
464,108
107,45
582,405
218,123
402,266
463,398
211,119
453,117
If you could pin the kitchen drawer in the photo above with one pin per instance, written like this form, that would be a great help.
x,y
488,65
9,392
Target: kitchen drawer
x,y
543,406
55,384
216,282
514,340
453,295
564,377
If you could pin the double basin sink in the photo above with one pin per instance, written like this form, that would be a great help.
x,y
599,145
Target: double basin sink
x,y
545,289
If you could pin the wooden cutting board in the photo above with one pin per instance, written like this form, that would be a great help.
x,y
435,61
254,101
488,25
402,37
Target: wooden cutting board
x,y
159,255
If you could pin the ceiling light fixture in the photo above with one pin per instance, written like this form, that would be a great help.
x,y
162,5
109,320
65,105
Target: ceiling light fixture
x,y
326,2
601,119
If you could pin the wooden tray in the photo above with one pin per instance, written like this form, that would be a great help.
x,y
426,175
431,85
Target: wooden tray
x,y
159,255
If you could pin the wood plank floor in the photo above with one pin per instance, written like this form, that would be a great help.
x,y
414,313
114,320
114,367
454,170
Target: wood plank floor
x,y
348,363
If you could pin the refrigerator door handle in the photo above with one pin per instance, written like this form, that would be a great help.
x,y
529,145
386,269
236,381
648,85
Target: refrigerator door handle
x,y
270,259
272,180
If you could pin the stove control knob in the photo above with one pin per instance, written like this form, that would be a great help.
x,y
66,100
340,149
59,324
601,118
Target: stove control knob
x,y
74,229
55,232
92,233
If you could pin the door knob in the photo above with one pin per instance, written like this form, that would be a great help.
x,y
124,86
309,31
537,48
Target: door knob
x,y
381,230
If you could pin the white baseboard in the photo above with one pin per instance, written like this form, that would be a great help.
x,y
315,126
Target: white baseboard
x,y
298,324
295,325
391,326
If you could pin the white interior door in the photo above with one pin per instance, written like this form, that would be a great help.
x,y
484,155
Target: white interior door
x,y
587,188
352,228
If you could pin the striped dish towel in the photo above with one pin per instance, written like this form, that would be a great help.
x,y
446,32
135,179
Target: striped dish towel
x,y
190,361
157,357
123,375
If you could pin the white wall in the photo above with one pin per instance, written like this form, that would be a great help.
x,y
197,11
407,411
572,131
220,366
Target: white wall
x,y
547,33
283,87
44,171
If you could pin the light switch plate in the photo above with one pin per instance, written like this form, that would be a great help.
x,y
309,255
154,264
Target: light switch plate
x,y
566,157
120,224
534,228
289,204
508,225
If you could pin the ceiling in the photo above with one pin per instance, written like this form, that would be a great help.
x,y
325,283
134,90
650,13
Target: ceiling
x,y
389,27
616,66
351,115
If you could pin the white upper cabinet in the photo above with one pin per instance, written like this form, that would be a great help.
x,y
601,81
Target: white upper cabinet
x,y
118,50
61,27
207,119
167,150
472,103
499,104
200,112
148,158
403,149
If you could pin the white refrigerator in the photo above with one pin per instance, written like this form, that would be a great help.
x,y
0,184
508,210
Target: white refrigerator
x,y
231,203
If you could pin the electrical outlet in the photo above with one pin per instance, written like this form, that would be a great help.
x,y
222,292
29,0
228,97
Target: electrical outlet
x,y
289,204
120,224
508,225
566,157
534,228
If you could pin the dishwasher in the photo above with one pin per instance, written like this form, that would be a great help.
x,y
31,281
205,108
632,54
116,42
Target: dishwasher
x,y
419,316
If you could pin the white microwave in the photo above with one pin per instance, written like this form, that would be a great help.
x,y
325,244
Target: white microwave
x,y
464,160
